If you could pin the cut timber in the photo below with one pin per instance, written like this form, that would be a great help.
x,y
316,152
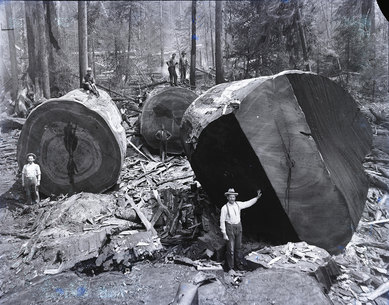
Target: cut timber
x,y
297,136
165,106
79,142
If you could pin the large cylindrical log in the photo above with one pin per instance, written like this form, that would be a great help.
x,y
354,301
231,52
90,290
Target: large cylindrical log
x,y
165,106
79,142
300,138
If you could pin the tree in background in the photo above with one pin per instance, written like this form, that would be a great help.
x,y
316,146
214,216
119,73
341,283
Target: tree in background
x,y
218,43
193,48
82,39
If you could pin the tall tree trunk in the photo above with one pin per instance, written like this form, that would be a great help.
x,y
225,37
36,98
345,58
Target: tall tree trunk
x,y
302,36
218,42
31,29
128,70
373,44
193,48
82,39
12,49
211,29
161,40
43,54
54,48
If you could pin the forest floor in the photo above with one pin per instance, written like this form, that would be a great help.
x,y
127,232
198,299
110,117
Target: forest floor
x,y
363,277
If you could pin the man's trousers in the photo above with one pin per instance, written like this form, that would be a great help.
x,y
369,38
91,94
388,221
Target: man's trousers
x,y
234,243
31,183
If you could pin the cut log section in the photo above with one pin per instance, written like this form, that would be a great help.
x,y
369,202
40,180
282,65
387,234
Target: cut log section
x,y
79,142
297,136
165,106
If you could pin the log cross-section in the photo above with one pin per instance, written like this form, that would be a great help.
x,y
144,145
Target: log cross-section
x,y
296,135
79,142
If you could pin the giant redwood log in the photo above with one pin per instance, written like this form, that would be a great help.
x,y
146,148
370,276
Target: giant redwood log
x,y
300,138
79,142
165,106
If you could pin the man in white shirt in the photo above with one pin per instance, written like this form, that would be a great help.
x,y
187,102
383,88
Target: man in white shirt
x,y
231,226
31,177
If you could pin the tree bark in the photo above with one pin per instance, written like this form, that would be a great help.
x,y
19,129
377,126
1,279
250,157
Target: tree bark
x,y
32,39
43,54
312,187
82,39
12,49
79,142
211,29
161,38
193,48
218,42
302,36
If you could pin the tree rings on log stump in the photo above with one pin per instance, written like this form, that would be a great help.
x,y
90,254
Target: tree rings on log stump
x,y
297,136
165,106
79,142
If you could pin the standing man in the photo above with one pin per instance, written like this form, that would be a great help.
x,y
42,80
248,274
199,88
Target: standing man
x,y
163,136
31,177
183,66
231,227
171,63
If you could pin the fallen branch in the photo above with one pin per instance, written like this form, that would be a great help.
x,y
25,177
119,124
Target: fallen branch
x,y
380,182
384,288
137,149
147,224
375,222
374,244
174,179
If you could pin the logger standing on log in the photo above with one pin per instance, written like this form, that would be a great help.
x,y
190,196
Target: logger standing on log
x,y
163,136
31,177
89,82
183,66
231,227
171,63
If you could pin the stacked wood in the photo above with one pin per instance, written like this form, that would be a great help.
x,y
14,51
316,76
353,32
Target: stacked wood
x,y
79,142
297,136
165,106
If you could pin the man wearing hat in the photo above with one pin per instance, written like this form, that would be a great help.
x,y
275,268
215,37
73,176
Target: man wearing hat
x,y
31,177
231,226
183,66
171,64
89,82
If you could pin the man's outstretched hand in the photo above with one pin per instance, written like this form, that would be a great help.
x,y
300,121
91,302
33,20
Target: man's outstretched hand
x,y
225,237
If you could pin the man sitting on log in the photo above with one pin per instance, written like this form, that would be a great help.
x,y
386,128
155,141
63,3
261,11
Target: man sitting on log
x,y
171,63
231,227
163,136
89,82
31,177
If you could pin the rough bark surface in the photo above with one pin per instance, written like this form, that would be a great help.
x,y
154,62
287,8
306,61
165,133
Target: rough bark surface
x,y
165,106
79,142
300,138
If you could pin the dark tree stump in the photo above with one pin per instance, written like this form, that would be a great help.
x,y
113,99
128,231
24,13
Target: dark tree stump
x,y
79,142
300,138
165,106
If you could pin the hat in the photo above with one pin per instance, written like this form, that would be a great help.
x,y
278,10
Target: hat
x,y
89,69
230,191
31,154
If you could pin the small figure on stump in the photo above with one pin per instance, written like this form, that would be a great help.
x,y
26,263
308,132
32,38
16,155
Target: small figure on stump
x,y
163,136
89,82
183,66
231,227
31,178
171,63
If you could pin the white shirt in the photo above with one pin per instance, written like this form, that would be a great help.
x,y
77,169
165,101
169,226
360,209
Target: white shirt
x,y
31,170
231,212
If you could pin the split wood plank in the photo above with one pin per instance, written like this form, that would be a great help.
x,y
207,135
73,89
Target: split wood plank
x,y
147,224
